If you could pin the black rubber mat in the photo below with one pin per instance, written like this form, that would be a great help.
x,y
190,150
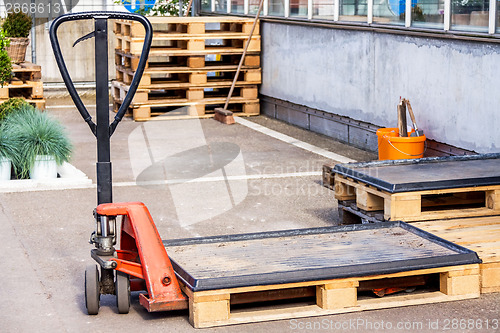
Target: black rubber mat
x,y
427,173
310,254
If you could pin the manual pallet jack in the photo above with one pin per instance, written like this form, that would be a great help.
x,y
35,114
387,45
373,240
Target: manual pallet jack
x,y
273,260
128,268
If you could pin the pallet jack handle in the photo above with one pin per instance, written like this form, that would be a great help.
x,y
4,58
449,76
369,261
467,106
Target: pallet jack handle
x,y
101,129
100,15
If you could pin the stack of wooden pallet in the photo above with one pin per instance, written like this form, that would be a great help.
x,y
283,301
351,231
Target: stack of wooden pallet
x,y
190,68
455,198
26,83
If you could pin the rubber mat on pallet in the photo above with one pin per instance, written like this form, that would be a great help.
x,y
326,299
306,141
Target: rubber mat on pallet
x,y
310,254
433,173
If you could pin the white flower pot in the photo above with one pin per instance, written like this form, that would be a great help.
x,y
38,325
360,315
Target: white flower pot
x,y
5,167
45,167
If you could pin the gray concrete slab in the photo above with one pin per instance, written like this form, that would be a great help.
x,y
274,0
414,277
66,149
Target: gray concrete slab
x,y
270,185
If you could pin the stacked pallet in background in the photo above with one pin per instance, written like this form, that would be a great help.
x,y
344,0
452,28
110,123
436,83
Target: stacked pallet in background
x,y
454,198
420,190
26,83
190,68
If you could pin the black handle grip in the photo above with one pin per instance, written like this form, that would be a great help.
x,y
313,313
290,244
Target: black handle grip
x,y
67,78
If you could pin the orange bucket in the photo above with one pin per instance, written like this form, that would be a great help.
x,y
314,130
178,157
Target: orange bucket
x,y
393,147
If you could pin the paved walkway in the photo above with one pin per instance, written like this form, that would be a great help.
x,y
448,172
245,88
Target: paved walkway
x,y
198,178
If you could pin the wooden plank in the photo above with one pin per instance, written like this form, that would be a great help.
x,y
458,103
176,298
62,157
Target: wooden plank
x,y
337,295
470,230
478,234
328,178
449,214
457,223
407,206
472,269
314,310
164,36
212,308
490,276
164,80
147,115
368,201
194,61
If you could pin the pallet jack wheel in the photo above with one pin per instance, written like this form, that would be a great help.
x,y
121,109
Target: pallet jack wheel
x,y
122,287
92,289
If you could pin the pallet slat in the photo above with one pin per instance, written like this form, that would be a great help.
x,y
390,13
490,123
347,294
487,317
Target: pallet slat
x,y
213,308
481,234
420,205
159,78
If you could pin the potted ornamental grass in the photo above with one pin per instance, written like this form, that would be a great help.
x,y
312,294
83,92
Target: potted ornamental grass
x,y
8,151
17,27
41,142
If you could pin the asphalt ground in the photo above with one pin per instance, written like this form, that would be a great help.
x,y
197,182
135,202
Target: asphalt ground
x,y
198,178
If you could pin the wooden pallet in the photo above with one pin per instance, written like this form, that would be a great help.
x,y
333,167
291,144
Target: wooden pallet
x,y
186,25
217,307
18,88
183,109
25,83
421,205
167,52
27,71
479,234
199,62
328,179
37,103
185,42
164,78
181,92
191,65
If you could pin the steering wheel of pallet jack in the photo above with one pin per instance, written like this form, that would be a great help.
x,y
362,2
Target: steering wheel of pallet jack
x,y
92,289
122,290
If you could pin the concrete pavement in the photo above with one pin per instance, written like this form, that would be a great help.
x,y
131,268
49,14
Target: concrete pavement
x,y
246,182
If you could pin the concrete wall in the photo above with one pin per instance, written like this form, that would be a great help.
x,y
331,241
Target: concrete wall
x,y
453,86
79,59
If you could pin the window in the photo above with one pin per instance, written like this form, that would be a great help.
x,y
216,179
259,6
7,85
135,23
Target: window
x,y
498,16
353,10
220,6
298,7
237,6
323,9
464,15
206,5
428,14
253,5
390,11
276,7
470,15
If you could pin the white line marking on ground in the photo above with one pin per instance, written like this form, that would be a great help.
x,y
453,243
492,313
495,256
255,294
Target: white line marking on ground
x,y
293,141
218,179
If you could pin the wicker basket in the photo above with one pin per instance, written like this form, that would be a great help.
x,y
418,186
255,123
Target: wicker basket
x,y
17,49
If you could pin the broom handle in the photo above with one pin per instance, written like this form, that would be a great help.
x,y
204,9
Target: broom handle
x,y
189,7
243,55
412,116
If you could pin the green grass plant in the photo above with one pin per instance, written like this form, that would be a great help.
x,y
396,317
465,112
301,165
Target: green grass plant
x,y
35,133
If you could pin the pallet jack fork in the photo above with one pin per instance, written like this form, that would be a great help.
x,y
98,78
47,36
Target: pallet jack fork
x,y
142,262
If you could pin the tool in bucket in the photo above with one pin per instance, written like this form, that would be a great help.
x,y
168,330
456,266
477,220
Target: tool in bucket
x,y
123,261
417,132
